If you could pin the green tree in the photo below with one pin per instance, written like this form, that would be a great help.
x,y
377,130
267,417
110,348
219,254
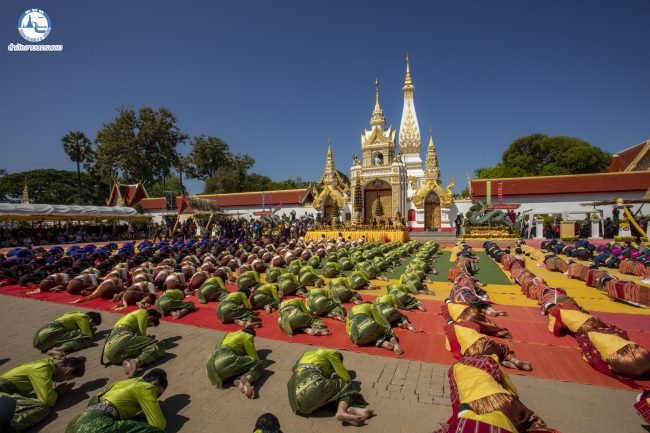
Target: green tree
x,y
207,155
171,185
139,146
50,186
78,148
542,155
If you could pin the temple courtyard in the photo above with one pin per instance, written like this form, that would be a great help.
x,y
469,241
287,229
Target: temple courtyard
x,y
409,393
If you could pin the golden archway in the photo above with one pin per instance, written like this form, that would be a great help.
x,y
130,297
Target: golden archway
x,y
376,192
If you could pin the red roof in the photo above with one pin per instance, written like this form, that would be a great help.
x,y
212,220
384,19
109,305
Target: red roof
x,y
621,160
130,194
569,184
254,199
153,204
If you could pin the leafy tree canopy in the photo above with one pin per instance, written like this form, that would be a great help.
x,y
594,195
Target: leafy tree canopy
x,y
138,146
542,155
51,186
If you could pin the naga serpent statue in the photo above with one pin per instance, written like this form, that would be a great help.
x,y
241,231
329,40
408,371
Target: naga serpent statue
x,y
478,216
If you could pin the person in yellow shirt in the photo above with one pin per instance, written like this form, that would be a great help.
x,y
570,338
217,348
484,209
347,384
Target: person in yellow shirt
x,y
117,406
365,325
481,391
610,351
465,338
37,378
67,333
171,302
294,316
128,343
320,303
267,423
388,308
235,308
235,357
319,378
265,297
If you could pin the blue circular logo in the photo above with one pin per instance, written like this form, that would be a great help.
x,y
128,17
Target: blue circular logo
x,y
34,25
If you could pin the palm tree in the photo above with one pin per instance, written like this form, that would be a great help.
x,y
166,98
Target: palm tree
x,y
77,146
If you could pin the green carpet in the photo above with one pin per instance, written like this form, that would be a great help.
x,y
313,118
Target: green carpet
x,y
442,265
489,272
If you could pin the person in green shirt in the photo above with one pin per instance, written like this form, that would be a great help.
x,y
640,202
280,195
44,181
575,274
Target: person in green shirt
x,y
235,357
248,280
272,274
387,306
307,277
360,281
413,281
331,270
128,343
117,406
320,303
212,289
343,292
67,333
403,295
37,378
265,296
319,377
236,308
294,315
171,302
365,325
289,285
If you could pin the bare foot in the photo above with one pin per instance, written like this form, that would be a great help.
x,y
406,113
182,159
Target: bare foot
x,y
422,307
361,412
268,309
244,385
398,349
56,353
176,315
339,318
346,417
130,367
322,332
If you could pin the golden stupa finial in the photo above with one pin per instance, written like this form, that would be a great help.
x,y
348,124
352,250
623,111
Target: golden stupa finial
x,y
25,198
329,149
407,80
378,118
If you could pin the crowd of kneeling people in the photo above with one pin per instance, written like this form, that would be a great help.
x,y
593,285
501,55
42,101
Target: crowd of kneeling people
x,y
158,278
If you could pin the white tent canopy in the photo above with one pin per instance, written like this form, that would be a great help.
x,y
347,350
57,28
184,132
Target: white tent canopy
x,y
27,212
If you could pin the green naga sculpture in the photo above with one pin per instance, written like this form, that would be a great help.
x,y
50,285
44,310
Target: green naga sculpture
x,y
478,216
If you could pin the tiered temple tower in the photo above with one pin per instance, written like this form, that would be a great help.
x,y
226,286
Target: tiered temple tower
x,y
409,134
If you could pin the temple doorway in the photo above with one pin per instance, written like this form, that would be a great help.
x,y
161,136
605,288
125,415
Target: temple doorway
x,y
432,211
376,192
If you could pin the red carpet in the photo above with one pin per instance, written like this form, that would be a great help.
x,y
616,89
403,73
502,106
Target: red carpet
x,y
551,357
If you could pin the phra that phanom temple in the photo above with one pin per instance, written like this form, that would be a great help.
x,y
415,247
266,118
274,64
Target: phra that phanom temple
x,y
390,180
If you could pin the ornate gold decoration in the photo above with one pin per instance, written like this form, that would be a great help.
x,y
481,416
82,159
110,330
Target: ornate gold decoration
x,y
333,184
413,181
409,134
431,186
378,118
431,168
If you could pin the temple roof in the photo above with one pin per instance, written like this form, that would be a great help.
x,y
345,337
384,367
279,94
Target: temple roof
x,y
628,159
126,194
636,181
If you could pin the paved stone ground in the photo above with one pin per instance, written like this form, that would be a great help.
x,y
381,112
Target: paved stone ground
x,y
408,396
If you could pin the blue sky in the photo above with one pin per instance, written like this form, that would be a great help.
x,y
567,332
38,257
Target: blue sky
x,y
279,79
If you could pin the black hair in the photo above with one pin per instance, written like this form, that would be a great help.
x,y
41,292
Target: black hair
x,y
246,291
154,316
158,376
250,331
76,363
95,317
268,423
